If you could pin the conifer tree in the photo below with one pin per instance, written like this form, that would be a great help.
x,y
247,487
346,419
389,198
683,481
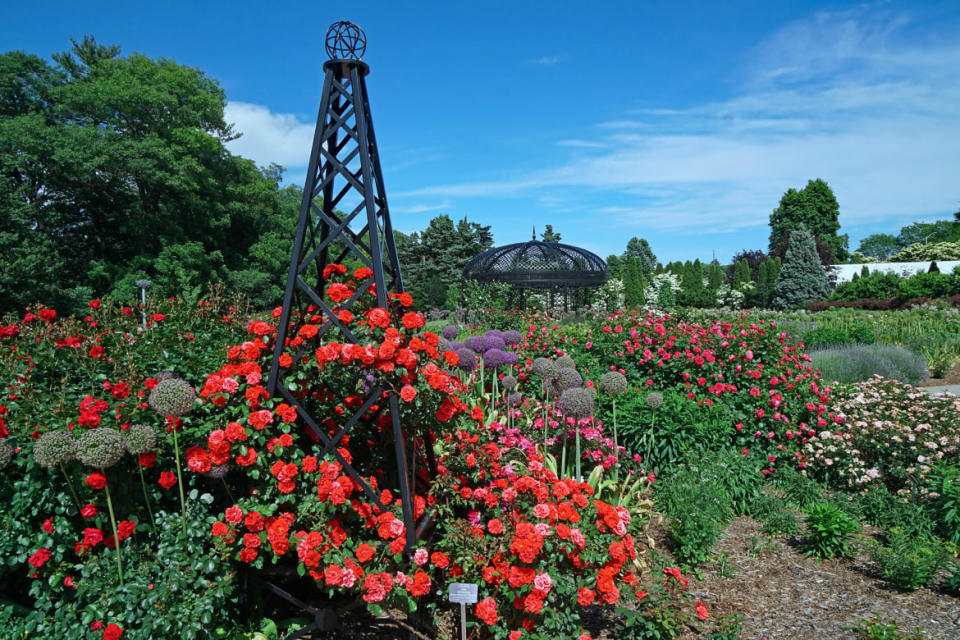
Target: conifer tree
x,y
802,278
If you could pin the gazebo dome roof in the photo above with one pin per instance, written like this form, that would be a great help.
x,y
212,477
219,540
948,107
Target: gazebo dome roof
x,y
538,265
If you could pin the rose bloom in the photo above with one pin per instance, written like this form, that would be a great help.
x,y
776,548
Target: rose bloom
x,y
420,556
112,632
167,479
96,481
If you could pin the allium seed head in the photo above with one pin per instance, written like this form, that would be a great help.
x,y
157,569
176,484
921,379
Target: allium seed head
x,y
54,447
654,400
544,368
577,403
566,362
613,383
567,379
218,471
509,382
172,397
514,398
6,453
139,438
100,448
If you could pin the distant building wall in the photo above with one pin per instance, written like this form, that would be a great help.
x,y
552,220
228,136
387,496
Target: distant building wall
x,y
844,272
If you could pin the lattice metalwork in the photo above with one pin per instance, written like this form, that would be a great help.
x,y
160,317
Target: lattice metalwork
x,y
344,214
538,265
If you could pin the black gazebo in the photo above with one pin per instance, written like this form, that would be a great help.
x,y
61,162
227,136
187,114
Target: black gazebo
x,y
547,266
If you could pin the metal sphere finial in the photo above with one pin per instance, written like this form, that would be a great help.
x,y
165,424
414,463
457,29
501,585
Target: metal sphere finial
x,y
346,40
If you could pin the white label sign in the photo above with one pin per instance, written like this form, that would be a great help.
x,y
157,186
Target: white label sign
x,y
463,593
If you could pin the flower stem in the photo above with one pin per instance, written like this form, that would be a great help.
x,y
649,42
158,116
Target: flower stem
x,y
183,502
76,499
116,536
577,427
146,497
616,443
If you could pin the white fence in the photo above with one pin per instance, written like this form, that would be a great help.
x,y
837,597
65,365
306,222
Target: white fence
x,y
844,272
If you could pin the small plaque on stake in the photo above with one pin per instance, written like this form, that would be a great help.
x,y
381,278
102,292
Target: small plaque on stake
x,y
463,593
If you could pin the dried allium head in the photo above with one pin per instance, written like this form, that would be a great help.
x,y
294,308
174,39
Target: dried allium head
x,y
567,379
443,345
172,397
449,332
139,438
577,403
655,400
54,447
566,362
514,398
509,382
494,358
6,453
468,359
544,368
512,337
468,342
100,448
613,383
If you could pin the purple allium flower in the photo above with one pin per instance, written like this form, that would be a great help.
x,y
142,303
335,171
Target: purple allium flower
x,y
468,359
449,332
514,398
512,337
494,359
544,368
494,333
509,382
478,344
494,342
512,357
576,403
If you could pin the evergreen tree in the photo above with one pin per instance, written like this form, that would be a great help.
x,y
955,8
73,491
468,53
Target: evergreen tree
x,y
615,267
802,278
549,235
741,273
633,284
714,275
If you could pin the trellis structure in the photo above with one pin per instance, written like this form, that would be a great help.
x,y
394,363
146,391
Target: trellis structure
x,y
343,214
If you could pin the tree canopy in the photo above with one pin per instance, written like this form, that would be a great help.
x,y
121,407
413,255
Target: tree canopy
x,y
114,168
814,207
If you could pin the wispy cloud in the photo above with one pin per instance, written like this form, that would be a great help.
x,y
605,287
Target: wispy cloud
x,y
547,61
424,208
849,97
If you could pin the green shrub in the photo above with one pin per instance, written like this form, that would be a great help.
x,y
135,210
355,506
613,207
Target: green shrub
x,y
862,332
801,491
781,523
829,531
876,629
943,483
826,337
952,583
879,508
910,561
860,362
662,435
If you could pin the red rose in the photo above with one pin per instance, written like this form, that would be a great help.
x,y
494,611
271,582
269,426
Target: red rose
x,y
364,552
408,393
96,481
48,525
39,558
233,514
112,632
89,511
486,610
147,459
126,528
167,479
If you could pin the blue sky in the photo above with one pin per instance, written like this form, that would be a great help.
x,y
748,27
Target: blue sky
x,y
680,122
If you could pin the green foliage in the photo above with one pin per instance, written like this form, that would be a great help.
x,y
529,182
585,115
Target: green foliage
x,y
116,169
767,273
815,208
701,496
633,284
800,490
879,508
663,435
640,248
549,235
909,561
876,629
781,523
802,278
433,259
942,486
928,251
952,583
829,531
879,245
826,337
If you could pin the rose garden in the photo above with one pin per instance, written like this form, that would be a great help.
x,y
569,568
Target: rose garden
x,y
608,461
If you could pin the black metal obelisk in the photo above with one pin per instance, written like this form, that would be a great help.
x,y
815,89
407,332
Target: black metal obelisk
x,y
344,214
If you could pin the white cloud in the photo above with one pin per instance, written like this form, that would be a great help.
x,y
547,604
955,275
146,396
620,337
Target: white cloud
x,y
845,97
269,137
424,208
547,60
